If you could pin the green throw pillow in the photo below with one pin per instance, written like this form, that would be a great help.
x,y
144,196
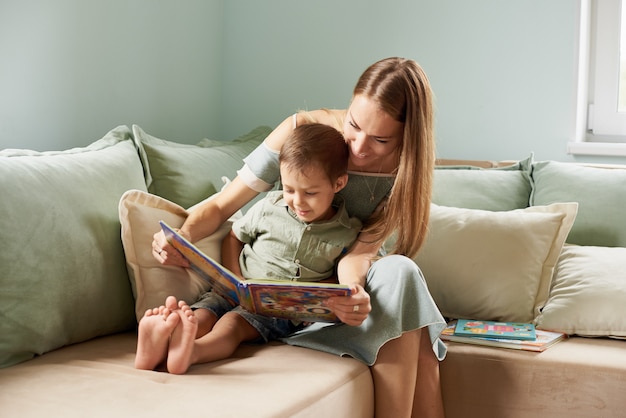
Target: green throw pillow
x,y
64,277
600,192
495,189
187,174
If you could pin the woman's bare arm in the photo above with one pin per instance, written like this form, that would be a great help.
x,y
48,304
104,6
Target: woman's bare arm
x,y
353,267
207,218
330,117
203,221
352,270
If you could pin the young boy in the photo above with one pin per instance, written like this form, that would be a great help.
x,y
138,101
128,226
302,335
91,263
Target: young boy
x,y
298,233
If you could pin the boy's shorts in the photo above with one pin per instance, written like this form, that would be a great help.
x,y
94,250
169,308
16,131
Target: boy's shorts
x,y
268,328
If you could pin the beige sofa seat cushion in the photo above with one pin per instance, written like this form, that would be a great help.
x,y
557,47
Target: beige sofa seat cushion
x,y
588,375
97,379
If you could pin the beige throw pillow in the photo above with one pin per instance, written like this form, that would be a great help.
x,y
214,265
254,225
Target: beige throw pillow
x,y
588,295
140,213
493,265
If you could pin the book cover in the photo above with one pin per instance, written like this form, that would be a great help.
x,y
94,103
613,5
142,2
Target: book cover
x,y
495,329
303,301
543,340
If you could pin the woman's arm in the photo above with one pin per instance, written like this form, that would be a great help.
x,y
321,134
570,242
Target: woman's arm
x,y
330,117
207,218
204,220
352,270
353,267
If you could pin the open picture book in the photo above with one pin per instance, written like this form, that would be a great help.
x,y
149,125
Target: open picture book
x,y
302,301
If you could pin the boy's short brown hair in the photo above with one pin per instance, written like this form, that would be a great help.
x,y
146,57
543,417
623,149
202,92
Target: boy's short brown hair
x,y
319,145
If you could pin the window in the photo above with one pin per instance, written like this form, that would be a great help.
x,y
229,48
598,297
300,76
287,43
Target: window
x,y
601,109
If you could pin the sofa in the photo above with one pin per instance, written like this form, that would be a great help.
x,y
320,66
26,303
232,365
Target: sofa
x,y
537,241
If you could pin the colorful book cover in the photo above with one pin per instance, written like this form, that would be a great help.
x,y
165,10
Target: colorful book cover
x,y
303,301
543,340
494,329
300,301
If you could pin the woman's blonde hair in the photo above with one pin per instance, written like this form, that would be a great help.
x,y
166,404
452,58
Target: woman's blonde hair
x,y
401,88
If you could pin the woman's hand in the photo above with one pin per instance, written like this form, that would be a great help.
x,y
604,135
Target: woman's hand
x,y
165,254
353,309
352,271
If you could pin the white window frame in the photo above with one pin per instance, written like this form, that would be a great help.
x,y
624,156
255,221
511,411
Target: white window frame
x,y
600,128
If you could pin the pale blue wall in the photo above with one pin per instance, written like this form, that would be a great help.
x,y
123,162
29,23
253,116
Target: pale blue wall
x,y
503,71
70,70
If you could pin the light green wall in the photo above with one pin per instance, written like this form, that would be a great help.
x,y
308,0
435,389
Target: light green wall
x,y
503,71
70,70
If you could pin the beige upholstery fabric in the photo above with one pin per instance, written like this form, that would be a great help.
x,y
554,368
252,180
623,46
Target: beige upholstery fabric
x,y
97,379
578,377
493,265
140,213
588,293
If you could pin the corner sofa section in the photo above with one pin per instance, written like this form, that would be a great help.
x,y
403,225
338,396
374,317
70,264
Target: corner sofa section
x,y
67,302
71,293
583,376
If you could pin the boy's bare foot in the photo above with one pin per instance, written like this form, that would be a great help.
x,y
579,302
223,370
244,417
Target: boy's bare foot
x,y
182,341
155,329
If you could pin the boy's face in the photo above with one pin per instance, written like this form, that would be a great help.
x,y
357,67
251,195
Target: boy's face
x,y
310,194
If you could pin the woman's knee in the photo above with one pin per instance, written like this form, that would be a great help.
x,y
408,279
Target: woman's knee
x,y
395,264
395,272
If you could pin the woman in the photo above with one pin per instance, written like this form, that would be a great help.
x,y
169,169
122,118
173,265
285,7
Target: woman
x,y
390,321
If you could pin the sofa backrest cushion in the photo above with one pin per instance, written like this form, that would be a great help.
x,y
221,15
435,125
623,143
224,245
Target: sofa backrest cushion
x,y
471,187
187,174
600,192
63,276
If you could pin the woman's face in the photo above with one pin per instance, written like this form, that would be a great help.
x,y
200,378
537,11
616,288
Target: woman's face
x,y
373,135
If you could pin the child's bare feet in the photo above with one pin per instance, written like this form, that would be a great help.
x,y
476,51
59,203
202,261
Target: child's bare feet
x,y
182,341
155,329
